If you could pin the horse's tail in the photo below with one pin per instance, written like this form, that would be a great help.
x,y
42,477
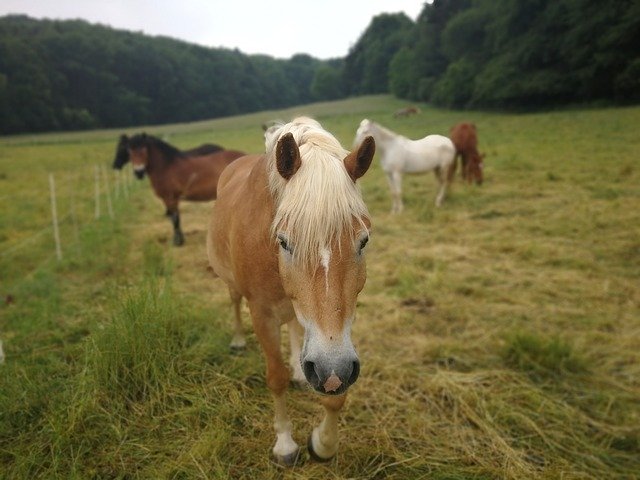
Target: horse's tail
x,y
451,170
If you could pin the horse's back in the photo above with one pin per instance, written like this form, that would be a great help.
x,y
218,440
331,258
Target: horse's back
x,y
233,221
236,172
437,145
464,136
204,149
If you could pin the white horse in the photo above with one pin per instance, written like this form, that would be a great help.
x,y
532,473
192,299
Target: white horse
x,y
400,155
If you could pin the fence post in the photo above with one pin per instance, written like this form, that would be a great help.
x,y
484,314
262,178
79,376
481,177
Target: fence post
x,y
97,177
116,174
1,353
74,216
125,184
108,190
54,214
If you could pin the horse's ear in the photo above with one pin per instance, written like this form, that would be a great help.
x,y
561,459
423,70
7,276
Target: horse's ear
x,y
287,156
358,162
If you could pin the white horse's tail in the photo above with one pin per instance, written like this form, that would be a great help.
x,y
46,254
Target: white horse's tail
x,y
451,169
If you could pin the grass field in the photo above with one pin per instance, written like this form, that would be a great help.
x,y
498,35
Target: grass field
x,y
499,335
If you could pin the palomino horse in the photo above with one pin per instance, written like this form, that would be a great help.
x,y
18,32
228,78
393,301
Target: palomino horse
x,y
174,174
288,233
465,138
400,155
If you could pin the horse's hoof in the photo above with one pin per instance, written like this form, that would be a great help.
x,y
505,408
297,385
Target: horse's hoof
x,y
290,460
314,455
237,349
178,240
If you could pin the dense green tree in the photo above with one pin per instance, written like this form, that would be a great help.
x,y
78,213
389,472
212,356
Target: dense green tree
x,y
508,54
366,67
327,83
70,74
521,53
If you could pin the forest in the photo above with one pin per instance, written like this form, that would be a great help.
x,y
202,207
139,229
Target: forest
x,y
480,54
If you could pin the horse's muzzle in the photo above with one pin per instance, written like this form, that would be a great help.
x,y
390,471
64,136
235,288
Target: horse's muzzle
x,y
139,174
331,378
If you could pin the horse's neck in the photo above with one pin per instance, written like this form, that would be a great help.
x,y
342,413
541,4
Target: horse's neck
x,y
158,159
386,137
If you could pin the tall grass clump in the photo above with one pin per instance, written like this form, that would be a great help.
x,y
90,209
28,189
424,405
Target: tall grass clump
x,y
541,357
133,359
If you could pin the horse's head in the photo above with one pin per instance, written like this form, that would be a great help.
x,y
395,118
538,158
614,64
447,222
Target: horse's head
x,y
138,149
321,227
364,129
122,153
475,167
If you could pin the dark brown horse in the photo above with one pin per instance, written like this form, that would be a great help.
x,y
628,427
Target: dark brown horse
x,y
175,174
465,138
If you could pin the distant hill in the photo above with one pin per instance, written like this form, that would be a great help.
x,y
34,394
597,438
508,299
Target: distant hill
x,y
60,75
480,54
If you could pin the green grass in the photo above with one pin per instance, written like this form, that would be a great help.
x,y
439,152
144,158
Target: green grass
x,y
498,334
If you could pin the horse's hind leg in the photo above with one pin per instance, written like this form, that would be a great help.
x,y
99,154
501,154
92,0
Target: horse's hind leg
x,y
395,185
323,442
174,214
178,237
441,175
238,342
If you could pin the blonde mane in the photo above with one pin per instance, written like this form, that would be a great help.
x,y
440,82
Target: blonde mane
x,y
320,202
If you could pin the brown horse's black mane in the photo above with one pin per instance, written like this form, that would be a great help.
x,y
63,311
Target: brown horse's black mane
x,y
169,152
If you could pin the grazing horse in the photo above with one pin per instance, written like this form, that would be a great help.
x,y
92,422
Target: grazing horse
x,y
405,112
465,138
400,155
174,174
288,233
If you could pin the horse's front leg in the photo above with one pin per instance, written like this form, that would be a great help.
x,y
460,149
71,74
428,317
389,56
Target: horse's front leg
x,y
174,215
267,328
323,442
295,339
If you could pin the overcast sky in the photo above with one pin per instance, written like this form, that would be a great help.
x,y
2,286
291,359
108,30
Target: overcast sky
x,y
280,28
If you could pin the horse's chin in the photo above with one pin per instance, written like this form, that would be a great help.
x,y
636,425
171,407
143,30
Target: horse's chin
x,y
139,174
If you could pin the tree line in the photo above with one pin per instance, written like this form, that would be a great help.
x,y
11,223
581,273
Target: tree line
x,y
62,75
503,54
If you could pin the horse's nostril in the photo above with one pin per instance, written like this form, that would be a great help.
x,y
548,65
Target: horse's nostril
x,y
355,372
309,369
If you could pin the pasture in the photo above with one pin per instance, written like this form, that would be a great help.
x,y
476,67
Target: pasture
x,y
499,335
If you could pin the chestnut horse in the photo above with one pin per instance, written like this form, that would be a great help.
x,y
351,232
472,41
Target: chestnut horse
x,y
288,233
174,174
399,155
405,112
465,138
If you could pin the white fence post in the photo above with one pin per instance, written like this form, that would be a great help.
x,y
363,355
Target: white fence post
x,y
54,214
74,216
1,353
108,190
116,173
97,176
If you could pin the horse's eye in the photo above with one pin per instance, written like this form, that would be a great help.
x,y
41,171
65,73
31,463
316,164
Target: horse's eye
x,y
284,244
363,243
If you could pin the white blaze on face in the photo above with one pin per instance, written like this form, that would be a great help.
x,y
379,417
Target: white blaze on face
x,y
138,168
325,258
